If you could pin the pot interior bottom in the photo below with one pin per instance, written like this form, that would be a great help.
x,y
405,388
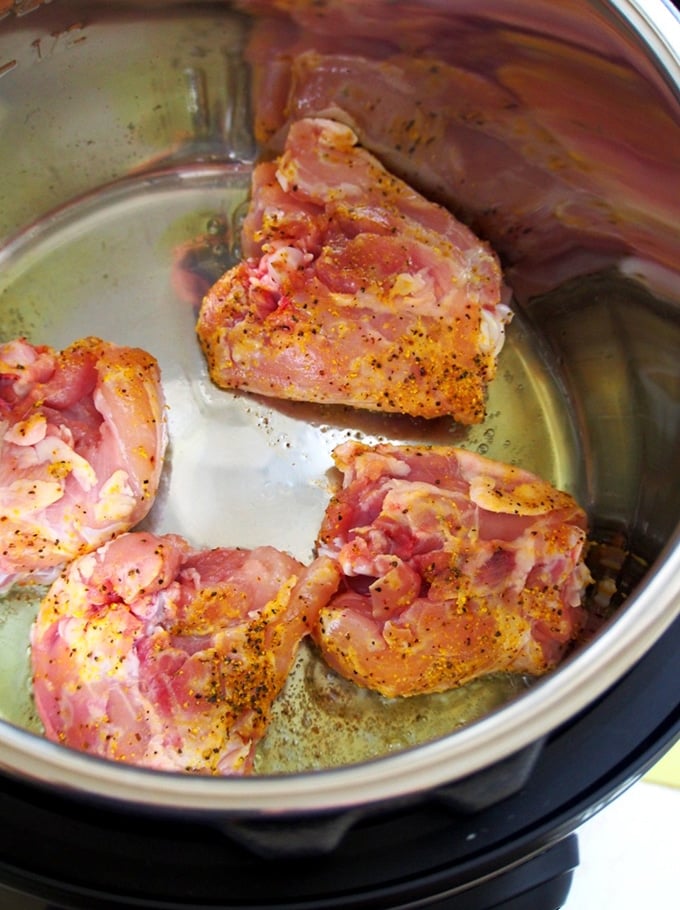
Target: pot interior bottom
x,y
127,263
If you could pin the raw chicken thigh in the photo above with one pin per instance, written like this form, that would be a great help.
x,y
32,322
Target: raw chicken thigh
x,y
152,653
82,441
454,566
354,289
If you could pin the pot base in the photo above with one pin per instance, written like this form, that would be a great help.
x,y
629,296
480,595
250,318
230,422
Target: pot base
x,y
129,262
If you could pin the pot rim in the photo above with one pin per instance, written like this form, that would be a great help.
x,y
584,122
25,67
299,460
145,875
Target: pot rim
x,y
550,703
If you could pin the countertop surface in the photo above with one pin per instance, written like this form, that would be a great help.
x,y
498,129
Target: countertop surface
x,y
630,856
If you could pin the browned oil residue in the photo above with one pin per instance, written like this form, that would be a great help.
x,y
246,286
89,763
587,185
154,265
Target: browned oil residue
x,y
7,67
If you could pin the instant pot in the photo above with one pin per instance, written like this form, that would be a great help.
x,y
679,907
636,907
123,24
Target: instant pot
x,y
128,134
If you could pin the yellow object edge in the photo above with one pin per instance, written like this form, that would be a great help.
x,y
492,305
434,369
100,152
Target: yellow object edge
x,y
667,770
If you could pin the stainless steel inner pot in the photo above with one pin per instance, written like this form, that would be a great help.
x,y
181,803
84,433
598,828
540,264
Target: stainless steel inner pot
x,y
127,130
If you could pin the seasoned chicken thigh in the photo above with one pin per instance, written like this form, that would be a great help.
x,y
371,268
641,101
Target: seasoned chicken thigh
x,y
150,652
354,289
454,566
82,441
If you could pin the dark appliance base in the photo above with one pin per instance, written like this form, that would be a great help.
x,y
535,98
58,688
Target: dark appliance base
x,y
74,854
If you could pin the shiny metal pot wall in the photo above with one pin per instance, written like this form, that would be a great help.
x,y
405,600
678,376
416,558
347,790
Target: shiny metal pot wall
x,y
128,128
